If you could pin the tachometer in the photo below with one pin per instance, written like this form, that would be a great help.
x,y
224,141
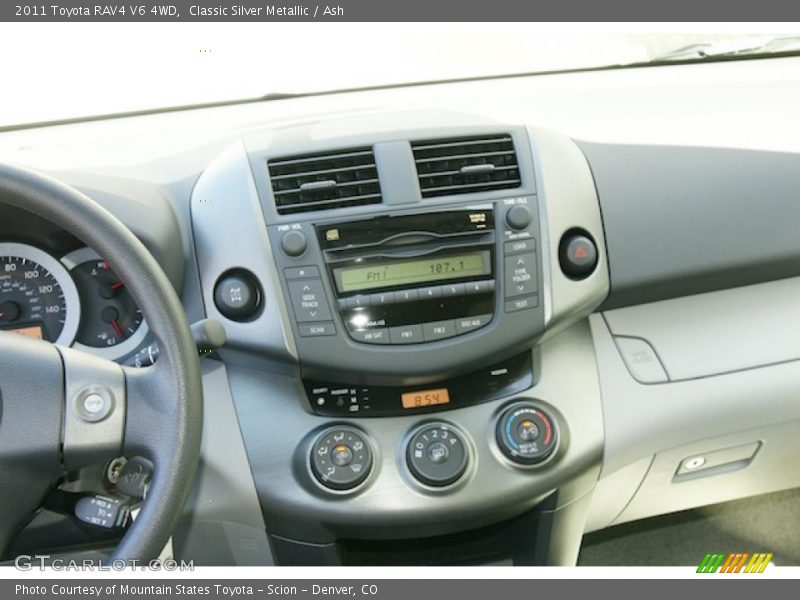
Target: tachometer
x,y
37,296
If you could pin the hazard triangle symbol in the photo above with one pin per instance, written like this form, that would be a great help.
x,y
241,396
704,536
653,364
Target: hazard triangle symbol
x,y
580,252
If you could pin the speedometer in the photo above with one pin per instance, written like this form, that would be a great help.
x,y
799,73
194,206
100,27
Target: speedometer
x,y
37,296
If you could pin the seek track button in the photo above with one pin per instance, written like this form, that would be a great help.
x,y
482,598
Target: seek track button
x,y
308,300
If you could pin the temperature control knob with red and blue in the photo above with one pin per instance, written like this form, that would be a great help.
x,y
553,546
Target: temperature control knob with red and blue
x,y
526,434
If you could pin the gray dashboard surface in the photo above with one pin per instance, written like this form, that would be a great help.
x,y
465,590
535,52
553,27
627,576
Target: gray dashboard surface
x,y
685,220
642,420
719,332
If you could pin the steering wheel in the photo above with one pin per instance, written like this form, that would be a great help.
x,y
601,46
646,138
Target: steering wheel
x,y
61,409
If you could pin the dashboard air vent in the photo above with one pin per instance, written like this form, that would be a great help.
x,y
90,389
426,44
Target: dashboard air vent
x,y
324,181
466,165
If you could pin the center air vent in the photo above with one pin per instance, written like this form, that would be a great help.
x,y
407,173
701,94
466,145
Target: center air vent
x,y
324,181
466,165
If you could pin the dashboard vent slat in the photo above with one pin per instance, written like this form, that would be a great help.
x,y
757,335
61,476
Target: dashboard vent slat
x,y
466,165
324,181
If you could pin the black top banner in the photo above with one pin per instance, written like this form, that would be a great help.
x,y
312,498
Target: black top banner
x,y
403,10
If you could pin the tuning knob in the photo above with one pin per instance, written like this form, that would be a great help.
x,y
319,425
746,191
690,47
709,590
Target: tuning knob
x,y
518,217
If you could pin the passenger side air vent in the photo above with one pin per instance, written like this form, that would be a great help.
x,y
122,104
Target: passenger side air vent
x,y
324,181
466,165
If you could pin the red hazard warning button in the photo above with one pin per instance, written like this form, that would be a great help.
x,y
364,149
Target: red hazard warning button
x,y
577,255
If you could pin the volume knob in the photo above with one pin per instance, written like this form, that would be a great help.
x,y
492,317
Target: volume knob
x,y
294,243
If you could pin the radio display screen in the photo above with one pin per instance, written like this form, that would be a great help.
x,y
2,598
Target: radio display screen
x,y
411,272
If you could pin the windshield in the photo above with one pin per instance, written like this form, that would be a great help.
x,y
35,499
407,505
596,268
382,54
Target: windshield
x,y
54,72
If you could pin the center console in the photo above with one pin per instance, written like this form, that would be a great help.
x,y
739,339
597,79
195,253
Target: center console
x,y
387,298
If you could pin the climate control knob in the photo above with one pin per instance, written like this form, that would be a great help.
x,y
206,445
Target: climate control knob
x,y
341,458
526,434
437,455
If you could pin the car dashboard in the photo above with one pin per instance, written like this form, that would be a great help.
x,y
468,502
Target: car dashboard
x,y
466,323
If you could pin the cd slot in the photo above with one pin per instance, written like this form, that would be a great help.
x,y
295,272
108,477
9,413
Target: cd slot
x,y
407,229
422,241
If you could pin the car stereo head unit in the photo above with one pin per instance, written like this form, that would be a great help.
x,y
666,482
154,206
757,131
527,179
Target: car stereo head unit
x,y
413,278
395,296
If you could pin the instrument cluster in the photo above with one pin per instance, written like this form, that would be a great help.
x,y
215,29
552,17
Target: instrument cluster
x,y
76,300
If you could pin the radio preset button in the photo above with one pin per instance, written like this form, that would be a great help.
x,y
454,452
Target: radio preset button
x,y
371,336
527,302
520,276
472,287
452,290
479,287
382,298
438,330
468,324
406,295
486,286
308,300
358,301
406,334
430,293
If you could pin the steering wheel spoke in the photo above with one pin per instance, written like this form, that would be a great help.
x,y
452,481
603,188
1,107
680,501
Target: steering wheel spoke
x,y
31,386
94,410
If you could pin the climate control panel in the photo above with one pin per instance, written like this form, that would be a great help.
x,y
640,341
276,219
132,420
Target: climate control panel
x,y
437,454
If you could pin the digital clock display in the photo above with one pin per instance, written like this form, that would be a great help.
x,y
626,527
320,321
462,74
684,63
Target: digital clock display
x,y
425,398
411,272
